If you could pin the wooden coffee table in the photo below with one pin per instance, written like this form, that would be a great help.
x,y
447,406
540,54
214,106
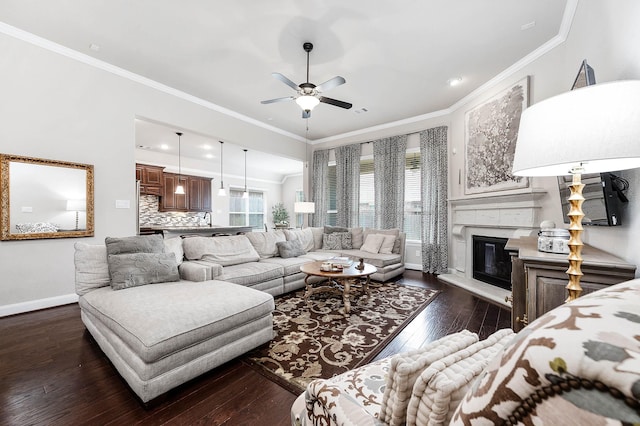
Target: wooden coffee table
x,y
337,282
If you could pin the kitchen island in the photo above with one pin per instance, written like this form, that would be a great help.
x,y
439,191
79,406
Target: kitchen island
x,y
204,231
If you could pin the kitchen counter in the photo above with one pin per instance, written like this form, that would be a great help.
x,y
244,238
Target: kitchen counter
x,y
174,231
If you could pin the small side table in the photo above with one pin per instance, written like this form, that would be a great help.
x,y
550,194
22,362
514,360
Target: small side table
x,y
338,281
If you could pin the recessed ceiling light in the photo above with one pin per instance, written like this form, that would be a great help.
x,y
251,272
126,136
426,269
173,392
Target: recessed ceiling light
x,y
361,111
207,147
528,25
144,147
94,47
164,146
209,156
454,81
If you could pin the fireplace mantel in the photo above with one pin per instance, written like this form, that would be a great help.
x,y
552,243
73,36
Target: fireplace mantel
x,y
508,214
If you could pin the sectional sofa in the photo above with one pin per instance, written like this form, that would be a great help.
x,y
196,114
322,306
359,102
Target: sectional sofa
x,y
167,310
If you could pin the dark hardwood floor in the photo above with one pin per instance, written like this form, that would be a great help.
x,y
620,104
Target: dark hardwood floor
x,y
53,373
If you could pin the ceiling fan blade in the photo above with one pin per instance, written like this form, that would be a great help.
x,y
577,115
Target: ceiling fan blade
x,y
330,84
335,102
285,80
306,114
270,101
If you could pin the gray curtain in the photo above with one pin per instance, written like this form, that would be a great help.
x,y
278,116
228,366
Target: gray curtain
x,y
319,179
388,171
348,185
433,154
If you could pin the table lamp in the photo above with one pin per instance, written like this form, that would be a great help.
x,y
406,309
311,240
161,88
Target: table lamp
x,y
304,207
593,129
77,206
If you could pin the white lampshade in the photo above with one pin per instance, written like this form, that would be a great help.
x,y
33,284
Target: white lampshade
x,y
245,194
307,102
304,207
179,190
222,192
595,128
76,205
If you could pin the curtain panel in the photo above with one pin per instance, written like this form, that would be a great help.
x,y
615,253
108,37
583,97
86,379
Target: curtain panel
x,y
348,185
389,158
319,188
435,242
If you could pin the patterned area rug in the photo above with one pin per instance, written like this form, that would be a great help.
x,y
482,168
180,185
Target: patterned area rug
x,y
314,340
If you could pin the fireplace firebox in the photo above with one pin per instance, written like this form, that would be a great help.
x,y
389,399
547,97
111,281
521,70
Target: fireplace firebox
x,y
491,263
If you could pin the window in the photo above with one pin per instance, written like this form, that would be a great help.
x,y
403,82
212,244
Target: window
x,y
299,216
412,197
246,211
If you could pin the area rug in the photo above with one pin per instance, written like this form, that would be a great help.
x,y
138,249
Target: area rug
x,y
314,340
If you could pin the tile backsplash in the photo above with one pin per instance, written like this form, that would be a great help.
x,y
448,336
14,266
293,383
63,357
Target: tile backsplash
x,y
150,216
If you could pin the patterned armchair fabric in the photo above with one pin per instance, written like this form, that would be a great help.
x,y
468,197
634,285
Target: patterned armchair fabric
x,y
578,364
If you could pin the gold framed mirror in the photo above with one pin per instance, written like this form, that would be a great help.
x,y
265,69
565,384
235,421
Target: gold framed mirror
x,y
44,198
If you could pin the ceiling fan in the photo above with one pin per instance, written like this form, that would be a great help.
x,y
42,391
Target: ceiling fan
x,y
308,94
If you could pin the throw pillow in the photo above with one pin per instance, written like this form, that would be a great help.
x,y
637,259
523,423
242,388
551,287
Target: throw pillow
x,y
336,241
136,244
328,229
391,231
406,367
265,242
387,244
442,385
174,245
288,249
92,270
136,269
372,243
317,233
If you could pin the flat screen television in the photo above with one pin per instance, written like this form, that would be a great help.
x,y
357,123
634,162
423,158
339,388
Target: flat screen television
x,y
603,198
603,192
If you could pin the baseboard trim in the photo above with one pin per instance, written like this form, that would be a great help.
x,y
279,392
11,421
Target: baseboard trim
x,y
34,305
413,266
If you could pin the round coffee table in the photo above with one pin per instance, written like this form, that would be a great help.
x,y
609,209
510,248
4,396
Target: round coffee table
x,y
337,281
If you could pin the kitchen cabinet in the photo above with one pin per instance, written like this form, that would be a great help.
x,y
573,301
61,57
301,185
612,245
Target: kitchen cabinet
x,y
151,179
170,201
538,279
197,195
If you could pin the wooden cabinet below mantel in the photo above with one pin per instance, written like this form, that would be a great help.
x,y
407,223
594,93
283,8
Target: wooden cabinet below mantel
x,y
197,195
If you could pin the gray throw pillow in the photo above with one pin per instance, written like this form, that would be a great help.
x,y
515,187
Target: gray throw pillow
x,y
136,244
288,249
136,269
328,229
336,241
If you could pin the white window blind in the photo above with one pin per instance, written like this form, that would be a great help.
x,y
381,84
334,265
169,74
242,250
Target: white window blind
x,y
246,211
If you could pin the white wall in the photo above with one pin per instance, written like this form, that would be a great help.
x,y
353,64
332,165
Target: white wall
x,y
58,108
607,34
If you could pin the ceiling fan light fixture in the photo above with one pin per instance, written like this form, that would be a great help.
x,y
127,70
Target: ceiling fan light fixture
x,y
307,102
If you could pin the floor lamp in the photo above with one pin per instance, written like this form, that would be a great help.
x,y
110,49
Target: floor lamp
x,y
593,129
304,207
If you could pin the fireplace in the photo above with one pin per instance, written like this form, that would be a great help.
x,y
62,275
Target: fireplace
x,y
491,263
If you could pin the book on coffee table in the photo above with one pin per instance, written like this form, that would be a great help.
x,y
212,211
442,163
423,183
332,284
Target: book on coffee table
x,y
343,261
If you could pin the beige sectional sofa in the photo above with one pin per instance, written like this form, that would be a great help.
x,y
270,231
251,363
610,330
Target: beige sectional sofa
x,y
166,311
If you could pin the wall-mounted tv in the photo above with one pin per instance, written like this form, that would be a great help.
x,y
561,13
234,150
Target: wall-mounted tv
x,y
603,192
603,198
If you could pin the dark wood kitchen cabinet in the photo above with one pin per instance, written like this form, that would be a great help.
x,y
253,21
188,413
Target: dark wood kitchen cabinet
x,y
170,201
197,197
151,179
538,279
199,194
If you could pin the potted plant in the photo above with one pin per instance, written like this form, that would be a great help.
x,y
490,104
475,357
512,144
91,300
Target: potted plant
x,y
280,216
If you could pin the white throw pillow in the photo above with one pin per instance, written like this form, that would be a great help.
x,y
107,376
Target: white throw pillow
x,y
387,244
372,243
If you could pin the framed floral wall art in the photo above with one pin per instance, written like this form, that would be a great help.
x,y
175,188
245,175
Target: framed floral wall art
x,y
491,130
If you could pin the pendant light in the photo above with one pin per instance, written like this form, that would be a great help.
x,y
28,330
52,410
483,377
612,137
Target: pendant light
x,y
245,194
179,188
221,191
